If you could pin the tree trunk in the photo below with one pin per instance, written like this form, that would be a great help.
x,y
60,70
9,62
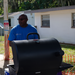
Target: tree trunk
x,y
20,2
68,3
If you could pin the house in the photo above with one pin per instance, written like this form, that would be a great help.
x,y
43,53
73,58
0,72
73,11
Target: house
x,y
12,18
58,23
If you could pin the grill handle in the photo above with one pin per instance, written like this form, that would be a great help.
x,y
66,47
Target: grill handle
x,y
33,33
59,53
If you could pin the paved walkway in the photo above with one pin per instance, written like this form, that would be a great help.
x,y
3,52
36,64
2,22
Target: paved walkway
x,y
3,64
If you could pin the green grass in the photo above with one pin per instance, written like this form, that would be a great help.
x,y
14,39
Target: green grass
x,y
68,49
1,38
1,44
2,49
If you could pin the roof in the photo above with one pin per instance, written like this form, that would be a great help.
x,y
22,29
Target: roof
x,y
40,10
51,9
12,14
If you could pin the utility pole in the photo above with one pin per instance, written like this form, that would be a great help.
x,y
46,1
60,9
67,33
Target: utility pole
x,y
6,30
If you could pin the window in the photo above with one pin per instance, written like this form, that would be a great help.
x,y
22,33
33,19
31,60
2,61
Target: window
x,y
45,21
73,20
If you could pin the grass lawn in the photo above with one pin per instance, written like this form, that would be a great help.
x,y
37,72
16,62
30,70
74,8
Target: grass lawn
x,y
68,49
2,47
1,44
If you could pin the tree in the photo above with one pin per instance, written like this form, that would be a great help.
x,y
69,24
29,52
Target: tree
x,y
38,4
20,5
1,7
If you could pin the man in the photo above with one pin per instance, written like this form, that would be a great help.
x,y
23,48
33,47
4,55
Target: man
x,y
20,31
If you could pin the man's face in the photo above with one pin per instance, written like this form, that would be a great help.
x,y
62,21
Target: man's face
x,y
22,21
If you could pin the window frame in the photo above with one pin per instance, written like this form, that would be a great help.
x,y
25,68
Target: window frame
x,y
72,26
42,20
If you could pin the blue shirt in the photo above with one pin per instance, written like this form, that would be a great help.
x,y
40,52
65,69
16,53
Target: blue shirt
x,y
20,33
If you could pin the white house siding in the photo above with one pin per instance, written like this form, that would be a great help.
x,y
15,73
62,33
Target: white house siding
x,y
14,20
60,26
31,18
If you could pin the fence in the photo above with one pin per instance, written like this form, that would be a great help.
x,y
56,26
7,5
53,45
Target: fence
x,y
69,59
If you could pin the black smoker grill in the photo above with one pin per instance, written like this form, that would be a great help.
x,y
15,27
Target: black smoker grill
x,y
37,57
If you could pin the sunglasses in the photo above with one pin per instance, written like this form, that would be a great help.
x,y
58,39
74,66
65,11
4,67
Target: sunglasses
x,y
21,19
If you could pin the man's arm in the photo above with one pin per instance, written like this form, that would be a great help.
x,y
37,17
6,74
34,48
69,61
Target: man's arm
x,y
11,36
